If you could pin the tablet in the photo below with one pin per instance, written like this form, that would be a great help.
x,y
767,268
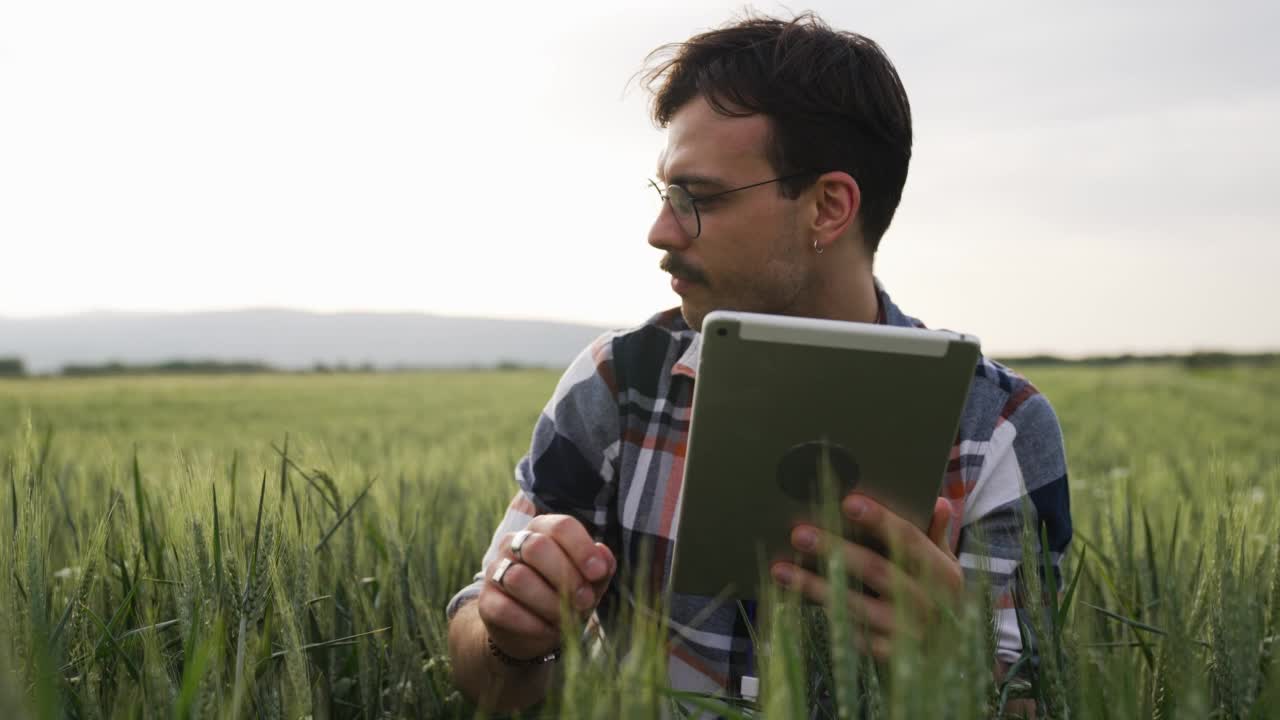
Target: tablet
x,y
774,397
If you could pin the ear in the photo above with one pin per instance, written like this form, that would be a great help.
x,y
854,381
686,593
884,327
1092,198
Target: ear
x,y
838,199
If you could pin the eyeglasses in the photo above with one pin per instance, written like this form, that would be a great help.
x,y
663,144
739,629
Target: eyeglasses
x,y
685,204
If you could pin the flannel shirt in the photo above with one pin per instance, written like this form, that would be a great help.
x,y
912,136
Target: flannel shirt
x,y
609,449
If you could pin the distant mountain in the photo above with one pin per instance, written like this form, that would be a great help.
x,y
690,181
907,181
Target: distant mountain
x,y
290,339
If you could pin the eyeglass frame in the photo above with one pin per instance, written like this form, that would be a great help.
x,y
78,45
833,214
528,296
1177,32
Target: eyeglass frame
x,y
695,199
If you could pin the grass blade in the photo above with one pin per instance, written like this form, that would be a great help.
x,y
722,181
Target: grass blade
x,y
45,447
1173,540
1138,624
344,516
1050,575
66,514
285,464
13,493
195,662
115,618
217,549
232,474
715,706
1152,568
62,622
1067,599
347,640
284,467
140,506
110,640
244,599
324,495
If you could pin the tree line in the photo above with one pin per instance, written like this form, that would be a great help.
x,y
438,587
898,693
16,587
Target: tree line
x,y
1193,361
14,367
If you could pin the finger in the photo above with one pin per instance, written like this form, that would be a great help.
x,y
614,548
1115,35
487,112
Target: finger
x,y
927,558
601,585
527,587
879,522
940,527
875,614
907,544
876,645
875,619
865,566
513,627
545,557
577,543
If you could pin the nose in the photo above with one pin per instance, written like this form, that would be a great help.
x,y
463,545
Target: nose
x,y
666,233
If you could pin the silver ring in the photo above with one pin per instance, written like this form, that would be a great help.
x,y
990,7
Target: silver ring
x,y
501,572
517,543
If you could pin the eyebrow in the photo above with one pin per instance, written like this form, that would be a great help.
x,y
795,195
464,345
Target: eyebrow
x,y
688,181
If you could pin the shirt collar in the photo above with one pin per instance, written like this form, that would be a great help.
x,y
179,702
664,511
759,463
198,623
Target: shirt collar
x,y
687,365
888,313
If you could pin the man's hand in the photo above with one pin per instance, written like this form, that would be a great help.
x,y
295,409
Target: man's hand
x,y
558,559
923,575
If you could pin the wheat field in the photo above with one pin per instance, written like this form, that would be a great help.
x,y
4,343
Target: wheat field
x,y
284,546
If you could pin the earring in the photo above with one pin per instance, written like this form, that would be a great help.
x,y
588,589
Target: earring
x,y
816,248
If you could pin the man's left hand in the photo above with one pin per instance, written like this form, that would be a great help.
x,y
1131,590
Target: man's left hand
x,y
923,574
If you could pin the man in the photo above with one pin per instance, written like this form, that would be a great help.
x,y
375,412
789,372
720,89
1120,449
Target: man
x,y
787,150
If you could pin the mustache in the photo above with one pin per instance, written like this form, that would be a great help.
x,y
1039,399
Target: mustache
x,y
677,266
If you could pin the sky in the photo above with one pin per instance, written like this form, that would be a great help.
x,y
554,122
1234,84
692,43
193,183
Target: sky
x,y
1087,177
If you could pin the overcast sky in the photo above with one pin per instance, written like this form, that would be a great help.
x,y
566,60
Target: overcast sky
x,y
1086,178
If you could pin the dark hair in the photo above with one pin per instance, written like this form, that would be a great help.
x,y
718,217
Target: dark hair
x,y
833,98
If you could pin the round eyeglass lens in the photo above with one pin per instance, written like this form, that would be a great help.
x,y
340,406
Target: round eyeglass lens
x,y
681,206
685,212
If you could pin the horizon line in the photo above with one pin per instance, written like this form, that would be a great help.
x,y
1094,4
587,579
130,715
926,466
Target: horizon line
x,y
287,309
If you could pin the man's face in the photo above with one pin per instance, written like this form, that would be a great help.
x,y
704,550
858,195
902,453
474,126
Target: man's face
x,y
751,254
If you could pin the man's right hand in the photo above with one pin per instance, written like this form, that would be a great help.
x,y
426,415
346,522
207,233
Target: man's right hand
x,y
557,560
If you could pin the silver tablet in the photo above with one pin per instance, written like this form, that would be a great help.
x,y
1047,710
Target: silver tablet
x,y
775,398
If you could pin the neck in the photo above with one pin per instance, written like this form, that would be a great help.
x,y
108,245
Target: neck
x,y
845,286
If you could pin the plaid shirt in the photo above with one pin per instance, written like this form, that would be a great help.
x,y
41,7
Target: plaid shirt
x,y
609,449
